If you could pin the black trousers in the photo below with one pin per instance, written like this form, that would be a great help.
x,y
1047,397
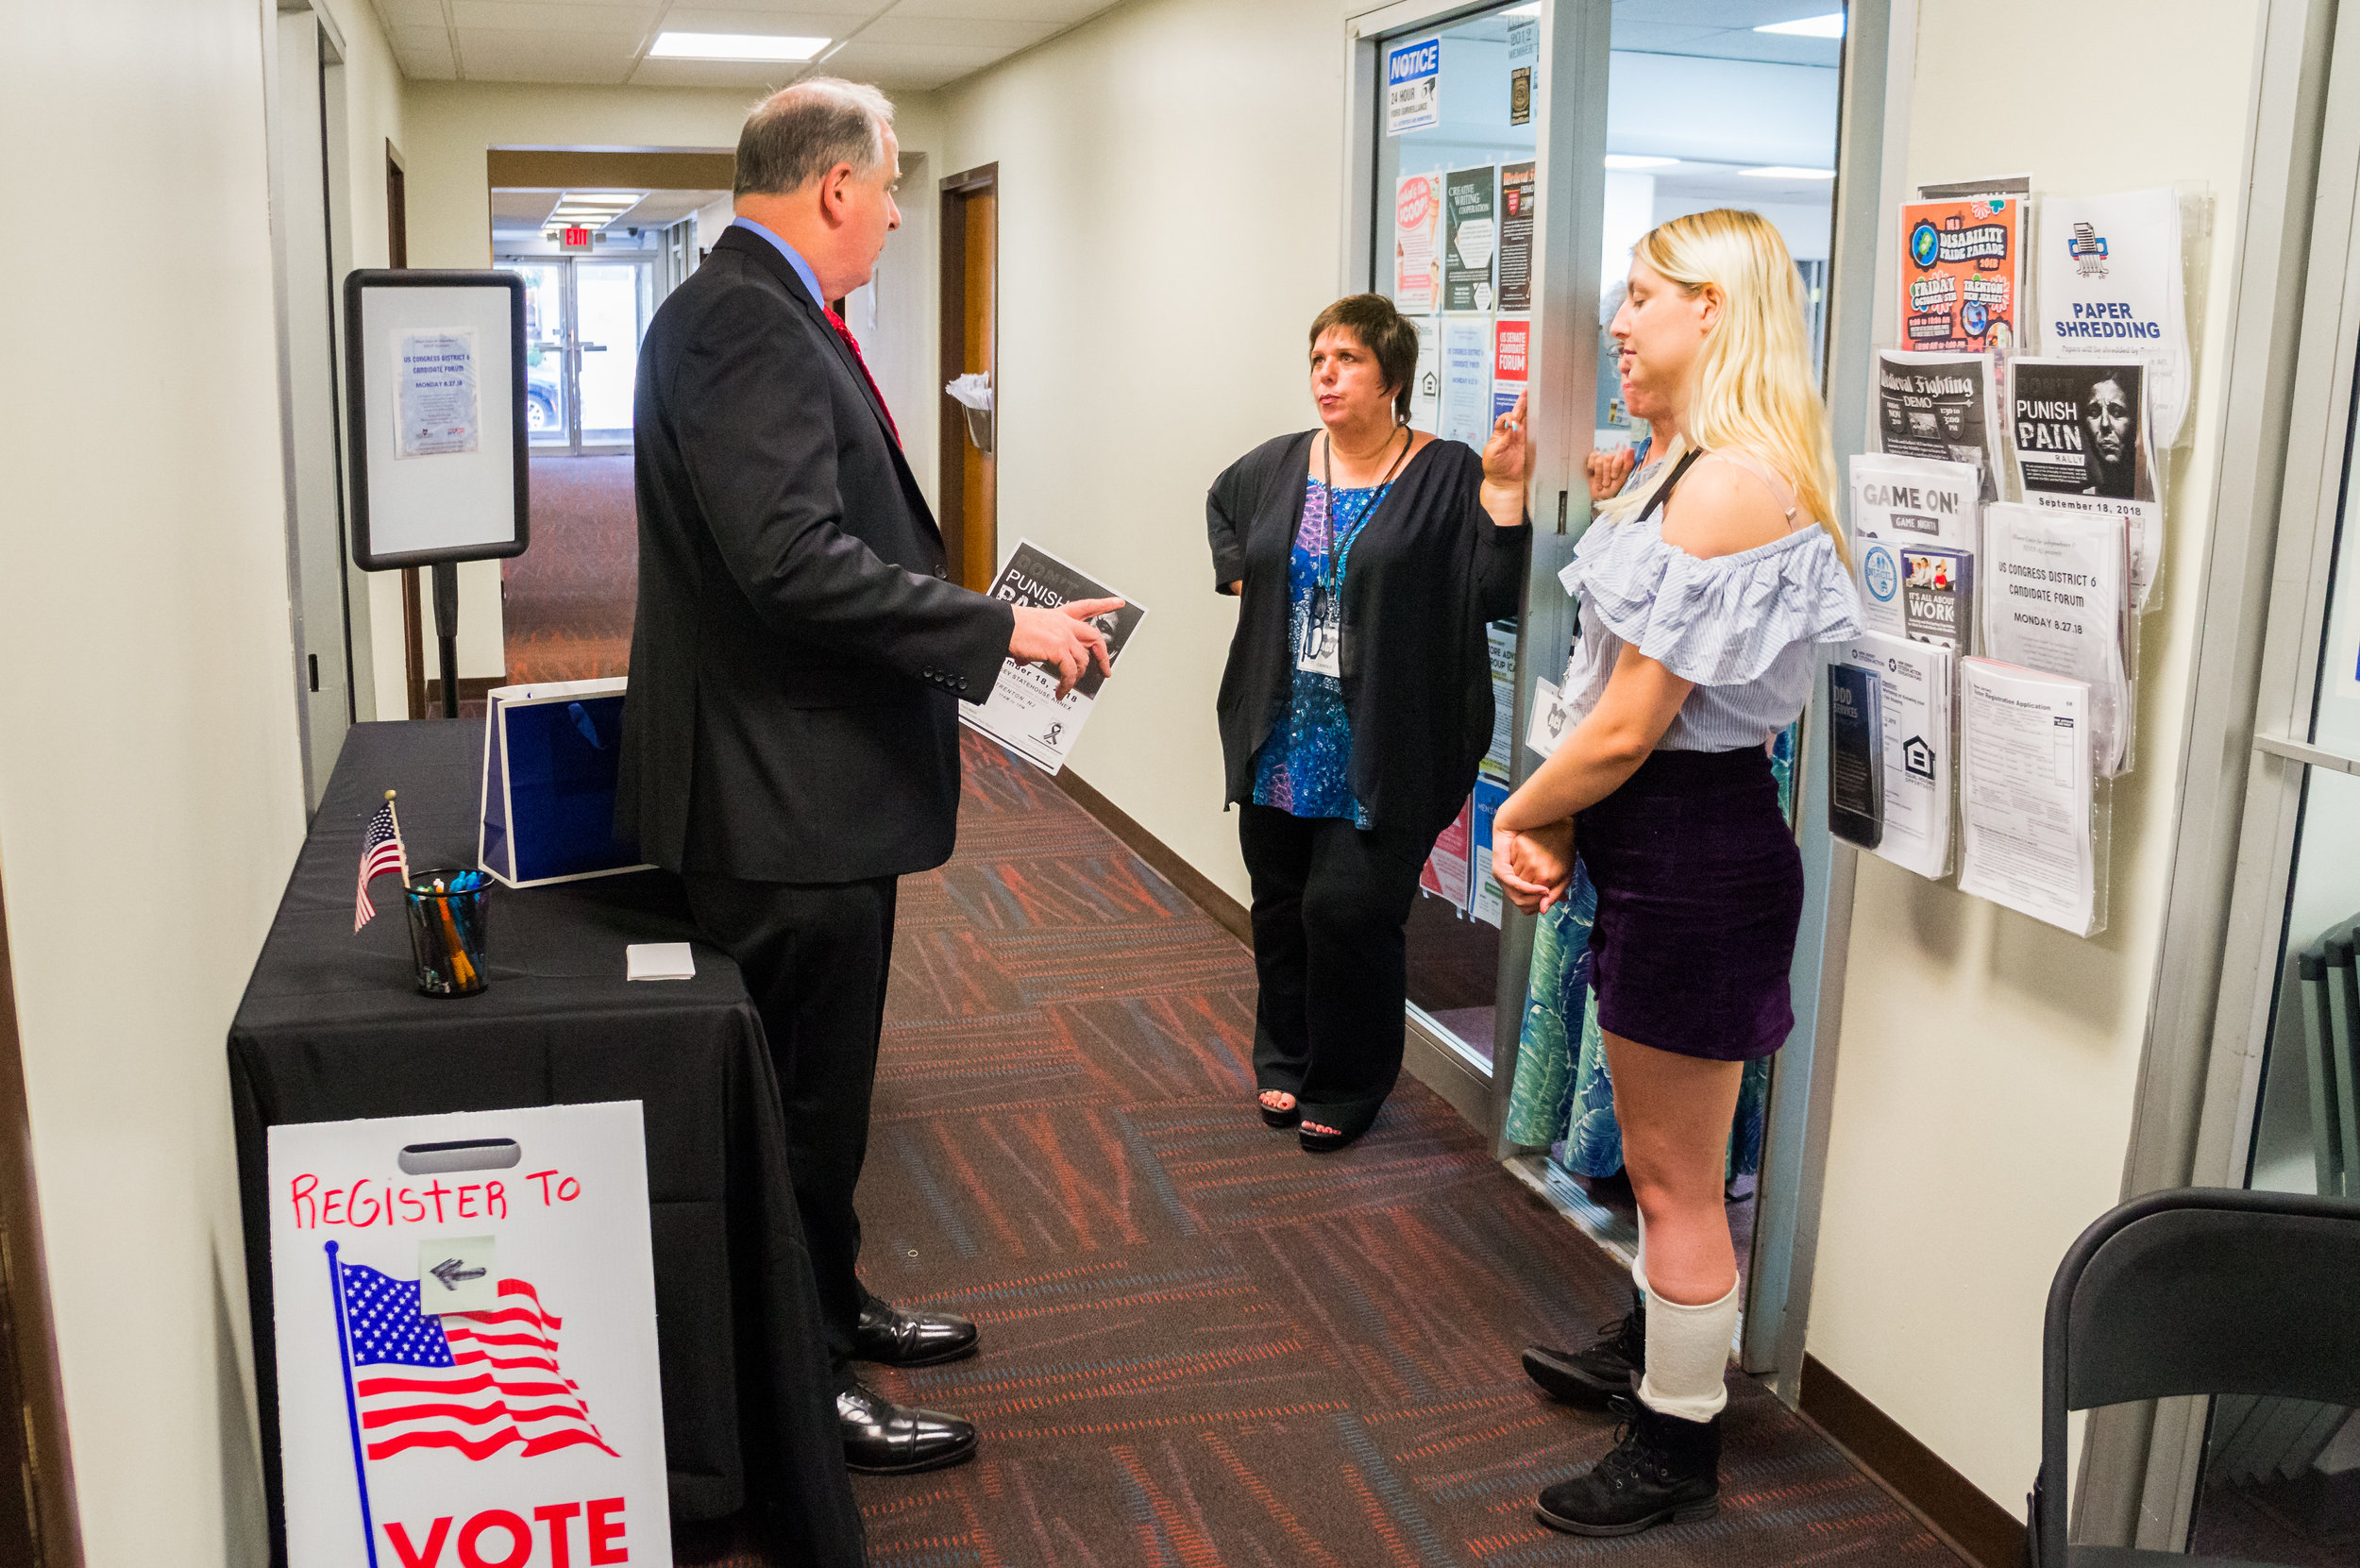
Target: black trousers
x,y
816,958
1330,905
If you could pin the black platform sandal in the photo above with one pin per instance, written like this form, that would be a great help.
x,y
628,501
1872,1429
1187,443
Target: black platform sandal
x,y
1327,1143
1271,1118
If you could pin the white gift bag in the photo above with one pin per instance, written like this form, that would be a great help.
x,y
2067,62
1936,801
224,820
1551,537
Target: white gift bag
x,y
464,1315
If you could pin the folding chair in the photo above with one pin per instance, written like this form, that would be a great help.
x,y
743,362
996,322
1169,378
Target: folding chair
x,y
2198,1290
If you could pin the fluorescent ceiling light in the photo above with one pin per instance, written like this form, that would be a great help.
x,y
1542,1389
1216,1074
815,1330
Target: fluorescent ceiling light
x,y
1780,171
1636,161
754,46
1830,25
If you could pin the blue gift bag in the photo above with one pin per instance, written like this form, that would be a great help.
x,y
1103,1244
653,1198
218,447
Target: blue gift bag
x,y
549,760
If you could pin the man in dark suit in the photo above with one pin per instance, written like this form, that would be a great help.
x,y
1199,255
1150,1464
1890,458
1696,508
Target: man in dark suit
x,y
791,743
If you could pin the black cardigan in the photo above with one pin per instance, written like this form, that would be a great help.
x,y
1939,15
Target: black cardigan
x,y
1428,570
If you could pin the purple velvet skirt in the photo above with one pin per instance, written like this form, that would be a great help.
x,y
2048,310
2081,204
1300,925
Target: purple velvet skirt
x,y
1700,891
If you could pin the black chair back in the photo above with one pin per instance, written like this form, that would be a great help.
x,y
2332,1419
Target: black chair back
x,y
2198,1290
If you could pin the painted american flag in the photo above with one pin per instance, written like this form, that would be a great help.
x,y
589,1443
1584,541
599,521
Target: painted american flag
x,y
380,853
478,1382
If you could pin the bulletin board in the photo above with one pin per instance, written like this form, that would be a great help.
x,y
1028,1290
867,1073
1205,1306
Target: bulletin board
x,y
434,369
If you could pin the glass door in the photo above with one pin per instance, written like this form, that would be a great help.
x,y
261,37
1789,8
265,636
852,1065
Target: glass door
x,y
584,319
2278,1480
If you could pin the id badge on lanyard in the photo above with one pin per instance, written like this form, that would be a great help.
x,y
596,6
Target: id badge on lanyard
x,y
1320,649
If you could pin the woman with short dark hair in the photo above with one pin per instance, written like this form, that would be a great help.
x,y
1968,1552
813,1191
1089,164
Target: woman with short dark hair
x,y
1358,699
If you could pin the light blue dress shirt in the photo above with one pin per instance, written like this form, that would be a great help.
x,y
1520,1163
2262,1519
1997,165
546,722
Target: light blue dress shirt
x,y
794,257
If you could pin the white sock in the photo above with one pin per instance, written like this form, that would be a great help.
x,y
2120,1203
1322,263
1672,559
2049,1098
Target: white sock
x,y
1688,1353
1639,1258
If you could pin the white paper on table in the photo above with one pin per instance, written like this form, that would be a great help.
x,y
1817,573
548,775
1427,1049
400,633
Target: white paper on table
x,y
2111,288
1915,680
2025,793
2053,600
1023,712
659,961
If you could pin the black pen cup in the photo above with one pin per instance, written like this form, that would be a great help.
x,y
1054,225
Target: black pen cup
x,y
447,930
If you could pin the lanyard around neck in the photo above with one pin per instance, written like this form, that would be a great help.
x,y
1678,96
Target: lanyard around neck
x,y
1332,578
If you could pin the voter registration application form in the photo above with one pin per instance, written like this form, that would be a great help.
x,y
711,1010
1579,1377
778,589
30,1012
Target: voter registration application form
x,y
2024,792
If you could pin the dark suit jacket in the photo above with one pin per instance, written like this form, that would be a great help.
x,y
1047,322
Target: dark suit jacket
x,y
799,656
1429,568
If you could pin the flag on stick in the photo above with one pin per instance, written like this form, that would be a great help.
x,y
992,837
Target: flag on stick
x,y
380,853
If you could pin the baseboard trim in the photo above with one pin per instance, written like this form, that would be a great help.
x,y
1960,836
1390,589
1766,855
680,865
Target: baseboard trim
x,y
1974,1526
1202,890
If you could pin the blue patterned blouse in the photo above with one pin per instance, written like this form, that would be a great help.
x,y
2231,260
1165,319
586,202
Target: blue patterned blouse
x,y
1305,768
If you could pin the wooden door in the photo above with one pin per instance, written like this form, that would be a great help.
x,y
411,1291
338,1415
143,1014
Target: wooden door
x,y
970,301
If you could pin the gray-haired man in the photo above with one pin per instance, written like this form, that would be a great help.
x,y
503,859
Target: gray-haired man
x,y
791,743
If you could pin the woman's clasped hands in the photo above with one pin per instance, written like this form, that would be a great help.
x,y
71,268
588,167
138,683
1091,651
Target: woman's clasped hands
x,y
1535,867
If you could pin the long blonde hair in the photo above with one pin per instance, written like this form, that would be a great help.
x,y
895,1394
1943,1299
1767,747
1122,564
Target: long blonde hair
x,y
1755,390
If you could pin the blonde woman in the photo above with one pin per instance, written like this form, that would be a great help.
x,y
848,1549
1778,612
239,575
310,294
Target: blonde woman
x,y
1701,595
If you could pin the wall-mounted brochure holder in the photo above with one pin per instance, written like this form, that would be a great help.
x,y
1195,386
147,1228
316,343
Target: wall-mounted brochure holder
x,y
434,380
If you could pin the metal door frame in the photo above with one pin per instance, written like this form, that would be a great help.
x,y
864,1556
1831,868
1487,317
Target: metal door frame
x,y
570,350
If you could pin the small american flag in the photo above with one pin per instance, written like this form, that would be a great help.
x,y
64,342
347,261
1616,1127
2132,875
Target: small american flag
x,y
478,1382
380,853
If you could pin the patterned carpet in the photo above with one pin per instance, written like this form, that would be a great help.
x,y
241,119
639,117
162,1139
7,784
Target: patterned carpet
x,y
1201,1347
568,603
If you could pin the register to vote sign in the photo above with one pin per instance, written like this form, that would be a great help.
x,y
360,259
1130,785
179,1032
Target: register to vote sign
x,y
466,1323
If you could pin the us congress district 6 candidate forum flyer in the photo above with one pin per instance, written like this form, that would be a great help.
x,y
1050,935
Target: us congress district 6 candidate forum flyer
x,y
1023,713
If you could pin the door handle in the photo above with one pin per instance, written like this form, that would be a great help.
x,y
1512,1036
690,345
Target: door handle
x,y
592,347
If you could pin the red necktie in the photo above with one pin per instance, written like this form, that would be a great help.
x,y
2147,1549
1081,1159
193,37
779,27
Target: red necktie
x,y
853,344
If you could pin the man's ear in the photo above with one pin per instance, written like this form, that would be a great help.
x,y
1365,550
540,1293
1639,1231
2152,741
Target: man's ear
x,y
832,201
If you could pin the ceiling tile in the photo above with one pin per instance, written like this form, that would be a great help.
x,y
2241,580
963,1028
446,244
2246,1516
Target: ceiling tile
x,y
531,16
1063,12
953,32
752,78
426,39
920,66
522,206
812,18
410,13
517,55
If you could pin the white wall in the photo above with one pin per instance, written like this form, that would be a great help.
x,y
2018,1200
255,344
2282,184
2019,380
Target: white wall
x,y
1988,1064
150,789
1147,340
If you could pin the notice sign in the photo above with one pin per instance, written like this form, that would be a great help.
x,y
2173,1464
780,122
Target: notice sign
x,y
465,1317
1470,205
1413,86
1523,56
1518,193
434,405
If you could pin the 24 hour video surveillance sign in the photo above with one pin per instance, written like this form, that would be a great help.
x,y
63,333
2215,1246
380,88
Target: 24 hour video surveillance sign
x,y
464,1315
1413,86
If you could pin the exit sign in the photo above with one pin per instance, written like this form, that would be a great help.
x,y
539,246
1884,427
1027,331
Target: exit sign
x,y
573,239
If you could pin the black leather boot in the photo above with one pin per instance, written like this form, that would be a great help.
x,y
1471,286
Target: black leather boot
x,y
1663,1470
1603,1372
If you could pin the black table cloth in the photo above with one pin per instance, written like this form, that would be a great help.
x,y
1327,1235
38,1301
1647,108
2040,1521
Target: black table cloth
x,y
332,1028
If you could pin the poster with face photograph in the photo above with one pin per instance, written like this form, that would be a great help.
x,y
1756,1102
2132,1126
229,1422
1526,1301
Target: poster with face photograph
x,y
2083,445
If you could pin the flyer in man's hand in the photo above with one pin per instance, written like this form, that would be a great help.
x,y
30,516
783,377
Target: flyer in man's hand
x,y
1023,713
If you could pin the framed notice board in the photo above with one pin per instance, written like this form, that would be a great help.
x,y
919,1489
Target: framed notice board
x,y
435,372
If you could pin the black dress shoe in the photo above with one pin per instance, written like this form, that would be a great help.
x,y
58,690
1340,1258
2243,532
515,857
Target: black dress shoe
x,y
1662,1471
1605,1370
885,1438
899,1339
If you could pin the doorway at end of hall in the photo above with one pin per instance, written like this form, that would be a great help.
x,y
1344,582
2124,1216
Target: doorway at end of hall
x,y
970,307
